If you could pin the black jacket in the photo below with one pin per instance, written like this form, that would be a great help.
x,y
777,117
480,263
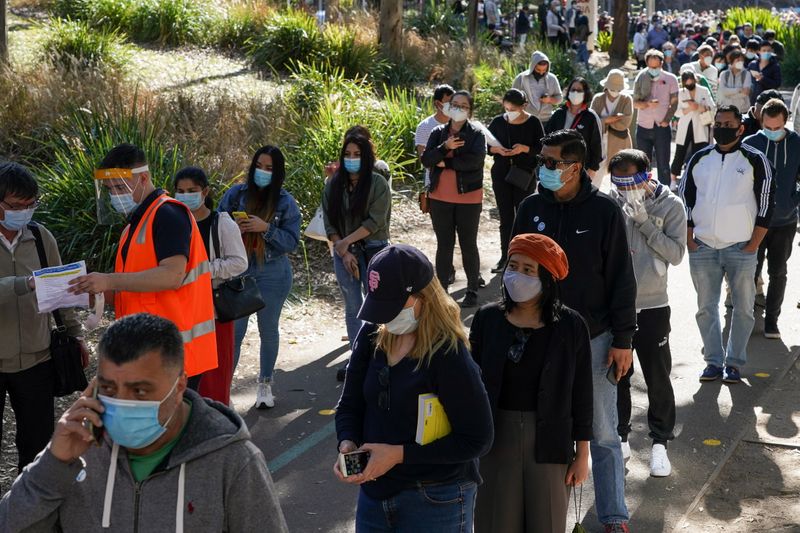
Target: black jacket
x,y
751,123
591,229
587,123
467,161
564,411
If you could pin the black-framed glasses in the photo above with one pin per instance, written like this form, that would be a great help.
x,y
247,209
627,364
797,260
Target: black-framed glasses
x,y
552,163
383,381
32,205
459,107
516,350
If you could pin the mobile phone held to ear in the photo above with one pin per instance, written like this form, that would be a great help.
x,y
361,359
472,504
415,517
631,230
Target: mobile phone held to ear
x,y
611,375
96,431
353,463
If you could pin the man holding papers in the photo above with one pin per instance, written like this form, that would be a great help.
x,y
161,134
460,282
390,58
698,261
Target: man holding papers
x,y
411,354
26,372
162,266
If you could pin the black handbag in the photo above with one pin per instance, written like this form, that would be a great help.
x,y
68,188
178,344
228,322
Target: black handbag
x,y
517,176
238,297
65,350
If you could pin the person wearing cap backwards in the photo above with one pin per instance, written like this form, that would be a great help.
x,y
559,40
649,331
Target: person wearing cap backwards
x,y
161,266
413,344
590,227
535,361
655,222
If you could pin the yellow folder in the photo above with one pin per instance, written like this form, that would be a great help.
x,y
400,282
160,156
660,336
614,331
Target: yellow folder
x,y
432,421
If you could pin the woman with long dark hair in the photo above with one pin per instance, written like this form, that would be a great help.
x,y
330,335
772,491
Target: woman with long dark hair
x,y
227,260
357,206
535,361
269,220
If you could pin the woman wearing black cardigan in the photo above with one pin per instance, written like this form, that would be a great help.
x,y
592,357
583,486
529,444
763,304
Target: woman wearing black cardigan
x,y
575,114
535,361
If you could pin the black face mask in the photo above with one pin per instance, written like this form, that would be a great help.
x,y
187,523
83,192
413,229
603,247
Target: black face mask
x,y
689,87
725,136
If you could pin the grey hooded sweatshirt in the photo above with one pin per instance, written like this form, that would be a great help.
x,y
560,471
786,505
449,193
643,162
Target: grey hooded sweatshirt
x,y
655,244
214,480
534,89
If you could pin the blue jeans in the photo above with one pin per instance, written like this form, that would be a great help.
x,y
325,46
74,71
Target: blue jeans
x,y
446,508
583,53
607,467
708,266
353,289
658,139
274,279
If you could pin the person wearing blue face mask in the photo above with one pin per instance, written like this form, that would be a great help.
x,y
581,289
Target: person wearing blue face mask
x,y
270,229
357,207
601,286
766,71
535,360
781,147
227,258
139,447
26,372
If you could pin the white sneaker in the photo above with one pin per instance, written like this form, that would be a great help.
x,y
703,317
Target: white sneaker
x,y
264,397
626,450
659,462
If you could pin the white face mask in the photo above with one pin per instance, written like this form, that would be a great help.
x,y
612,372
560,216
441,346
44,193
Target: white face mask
x,y
404,322
511,116
575,98
457,115
739,65
520,287
612,94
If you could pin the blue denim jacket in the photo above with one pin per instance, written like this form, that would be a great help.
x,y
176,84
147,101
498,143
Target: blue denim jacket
x,y
283,234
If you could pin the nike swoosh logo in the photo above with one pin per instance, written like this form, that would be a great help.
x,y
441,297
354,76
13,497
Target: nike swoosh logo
x,y
578,232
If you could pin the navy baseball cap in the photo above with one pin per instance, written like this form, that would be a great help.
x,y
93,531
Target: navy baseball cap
x,y
394,274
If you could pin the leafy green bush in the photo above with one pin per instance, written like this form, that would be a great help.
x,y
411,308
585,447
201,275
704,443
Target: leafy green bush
x,y
344,50
289,36
74,45
437,18
174,22
68,191
240,23
603,41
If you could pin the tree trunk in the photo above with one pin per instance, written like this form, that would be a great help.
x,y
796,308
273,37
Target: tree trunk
x,y
3,33
472,21
619,37
391,27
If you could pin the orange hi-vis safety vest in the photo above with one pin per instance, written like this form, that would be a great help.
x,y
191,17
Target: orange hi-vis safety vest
x,y
190,307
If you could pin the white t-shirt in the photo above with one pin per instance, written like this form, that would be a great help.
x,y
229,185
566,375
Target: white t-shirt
x,y
424,130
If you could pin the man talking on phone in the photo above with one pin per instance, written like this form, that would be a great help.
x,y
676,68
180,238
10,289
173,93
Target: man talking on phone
x,y
140,451
161,265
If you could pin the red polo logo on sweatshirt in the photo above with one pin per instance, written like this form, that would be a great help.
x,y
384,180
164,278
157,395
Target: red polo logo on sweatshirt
x,y
190,508
374,280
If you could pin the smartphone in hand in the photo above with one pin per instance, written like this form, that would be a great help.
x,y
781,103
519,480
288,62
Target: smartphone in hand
x,y
611,375
353,463
96,431
240,215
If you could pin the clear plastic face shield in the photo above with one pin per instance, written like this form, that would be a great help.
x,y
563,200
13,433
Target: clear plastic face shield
x,y
634,188
115,191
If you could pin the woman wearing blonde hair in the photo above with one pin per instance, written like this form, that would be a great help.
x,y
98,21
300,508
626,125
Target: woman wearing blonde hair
x,y
413,345
615,110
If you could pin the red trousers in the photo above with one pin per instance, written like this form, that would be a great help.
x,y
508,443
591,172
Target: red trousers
x,y
216,383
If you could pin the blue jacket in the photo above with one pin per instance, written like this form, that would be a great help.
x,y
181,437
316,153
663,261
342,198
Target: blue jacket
x,y
283,234
784,158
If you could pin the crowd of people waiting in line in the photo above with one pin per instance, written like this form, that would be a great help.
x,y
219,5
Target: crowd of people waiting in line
x,y
539,383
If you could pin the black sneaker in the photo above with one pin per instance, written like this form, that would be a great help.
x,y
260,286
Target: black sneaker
x,y
771,330
470,299
500,266
341,373
481,282
452,278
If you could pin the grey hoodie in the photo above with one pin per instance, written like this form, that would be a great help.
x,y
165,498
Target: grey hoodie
x,y
534,89
656,243
221,474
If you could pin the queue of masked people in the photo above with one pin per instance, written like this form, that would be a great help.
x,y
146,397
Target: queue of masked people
x,y
584,286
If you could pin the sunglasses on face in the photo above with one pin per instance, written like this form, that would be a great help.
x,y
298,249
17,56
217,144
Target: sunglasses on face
x,y
551,163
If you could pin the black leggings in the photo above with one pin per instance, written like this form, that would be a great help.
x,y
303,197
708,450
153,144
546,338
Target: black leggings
x,y
685,151
448,220
508,198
